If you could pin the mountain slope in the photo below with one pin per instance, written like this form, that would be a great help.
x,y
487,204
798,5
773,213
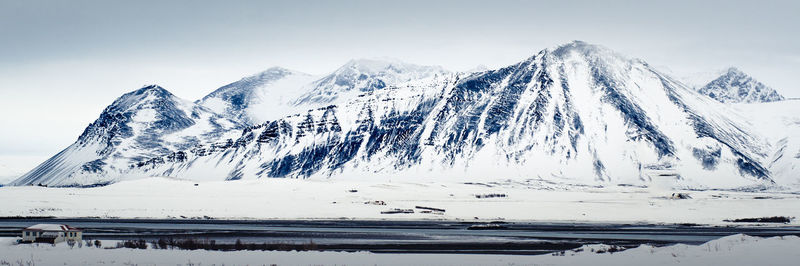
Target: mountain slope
x,y
138,125
734,86
780,123
577,114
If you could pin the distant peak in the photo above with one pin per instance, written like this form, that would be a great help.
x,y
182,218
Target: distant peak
x,y
735,71
593,53
578,43
152,89
478,68
271,74
578,46
277,69
376,65
144,94
376,60
735,86
372,64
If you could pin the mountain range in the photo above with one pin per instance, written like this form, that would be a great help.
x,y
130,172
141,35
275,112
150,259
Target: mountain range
x,y
576,114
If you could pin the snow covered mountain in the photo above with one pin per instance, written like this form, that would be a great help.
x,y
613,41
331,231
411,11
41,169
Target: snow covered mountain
x,y
264,96
139,125
151,122
734,86
576,114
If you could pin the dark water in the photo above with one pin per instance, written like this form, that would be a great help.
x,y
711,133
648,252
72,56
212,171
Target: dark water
x,y
402,236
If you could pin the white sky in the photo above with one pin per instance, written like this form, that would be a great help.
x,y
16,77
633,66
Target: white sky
x,y
62,62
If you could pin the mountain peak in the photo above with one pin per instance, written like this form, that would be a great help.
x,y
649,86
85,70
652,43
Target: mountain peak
x,y
592,53
269,75
244,87
577,44
579,47
734,71
146,94
735,86
153,88
275,72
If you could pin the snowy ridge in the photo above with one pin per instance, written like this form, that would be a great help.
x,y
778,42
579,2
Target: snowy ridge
x,y
258,98
734,86
365,75
578,113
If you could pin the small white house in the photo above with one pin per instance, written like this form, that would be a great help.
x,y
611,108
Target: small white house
x,y
51,233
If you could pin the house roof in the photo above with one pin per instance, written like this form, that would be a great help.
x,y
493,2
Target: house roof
x,y
52,227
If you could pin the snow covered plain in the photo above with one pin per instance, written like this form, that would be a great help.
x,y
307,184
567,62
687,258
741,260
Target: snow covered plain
x,y
347,199
731,250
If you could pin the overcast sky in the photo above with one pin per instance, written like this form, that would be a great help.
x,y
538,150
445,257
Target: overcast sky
x,y
62,62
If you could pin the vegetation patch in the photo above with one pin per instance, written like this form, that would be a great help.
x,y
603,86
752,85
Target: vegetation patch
x,y
773,219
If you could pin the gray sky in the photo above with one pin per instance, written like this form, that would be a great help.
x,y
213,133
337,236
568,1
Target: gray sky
x,y
62,62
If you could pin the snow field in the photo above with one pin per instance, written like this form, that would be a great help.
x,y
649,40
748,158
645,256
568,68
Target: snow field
x,y
332,199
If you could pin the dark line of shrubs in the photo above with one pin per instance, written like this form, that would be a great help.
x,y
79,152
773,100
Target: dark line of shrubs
x,y
493,195
774,219
206,244
138,244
